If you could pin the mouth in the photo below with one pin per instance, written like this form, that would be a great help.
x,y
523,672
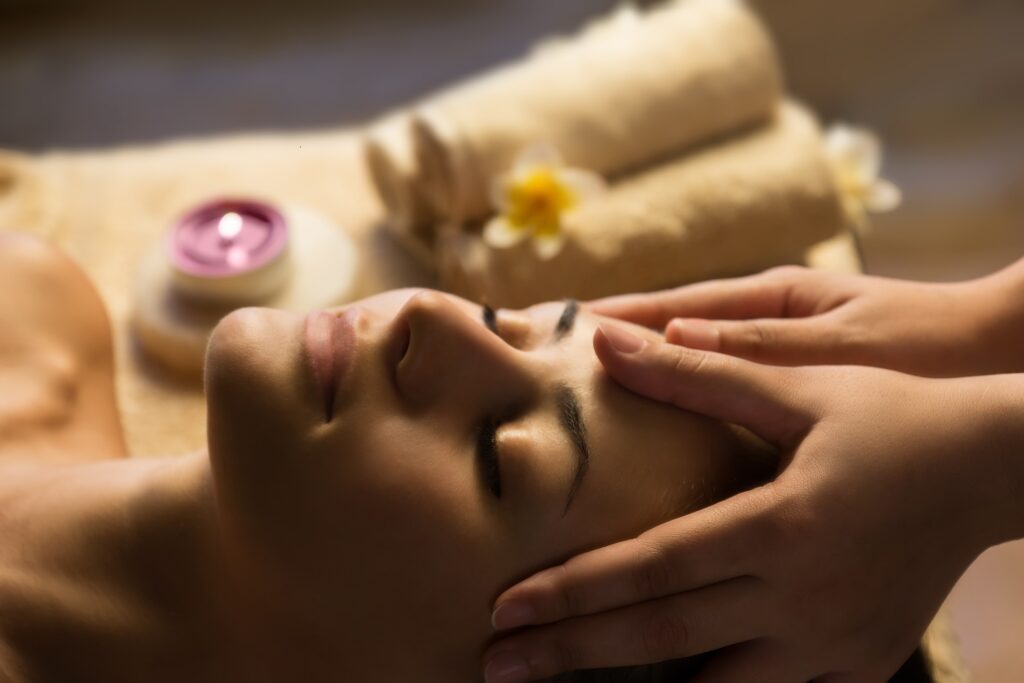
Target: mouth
x,y
330,344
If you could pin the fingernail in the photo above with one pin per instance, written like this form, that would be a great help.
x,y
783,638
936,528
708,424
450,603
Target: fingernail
x,y
697,334
506,667
623,341
512,614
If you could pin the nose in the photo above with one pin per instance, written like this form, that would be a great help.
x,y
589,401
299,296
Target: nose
x,y
454,361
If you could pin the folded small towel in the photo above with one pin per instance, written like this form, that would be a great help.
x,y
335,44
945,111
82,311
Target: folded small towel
x,y
627,92
392,163
736,206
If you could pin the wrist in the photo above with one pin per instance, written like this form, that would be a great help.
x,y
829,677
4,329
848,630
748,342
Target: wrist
x,y
999,301
998,465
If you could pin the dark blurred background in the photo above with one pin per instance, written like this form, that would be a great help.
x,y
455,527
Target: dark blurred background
x,y
94,73
85,74
941,80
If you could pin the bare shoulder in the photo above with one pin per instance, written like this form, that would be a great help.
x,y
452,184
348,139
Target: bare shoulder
x,y
56,357
43,289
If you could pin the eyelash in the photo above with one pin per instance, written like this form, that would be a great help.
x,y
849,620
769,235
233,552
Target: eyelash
x,y
487,455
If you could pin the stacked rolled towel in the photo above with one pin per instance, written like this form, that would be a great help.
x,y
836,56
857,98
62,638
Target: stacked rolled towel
x,y
711,171
628,91
756,200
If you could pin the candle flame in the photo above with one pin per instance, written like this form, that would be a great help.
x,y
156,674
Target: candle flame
x,y
230,225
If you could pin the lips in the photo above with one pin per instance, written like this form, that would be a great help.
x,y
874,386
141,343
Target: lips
x,y
330,342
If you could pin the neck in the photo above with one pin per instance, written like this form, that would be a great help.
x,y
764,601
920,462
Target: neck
x,y
126,556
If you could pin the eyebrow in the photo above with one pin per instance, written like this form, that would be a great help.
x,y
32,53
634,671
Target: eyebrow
x,y
571,419
568,318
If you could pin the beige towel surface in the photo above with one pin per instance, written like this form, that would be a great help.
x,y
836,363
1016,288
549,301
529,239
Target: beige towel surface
x,y
736,206
625,93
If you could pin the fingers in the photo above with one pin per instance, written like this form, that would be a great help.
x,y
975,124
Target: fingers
x,y
678,626
801,341
767,295
700,549
769,401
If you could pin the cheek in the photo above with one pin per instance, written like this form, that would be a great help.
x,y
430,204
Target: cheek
x,y
681,462
650,463
626,494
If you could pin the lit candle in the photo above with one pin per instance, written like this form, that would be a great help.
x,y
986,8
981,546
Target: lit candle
x,y
231,252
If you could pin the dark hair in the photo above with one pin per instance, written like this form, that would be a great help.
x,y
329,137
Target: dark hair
x,y
674,671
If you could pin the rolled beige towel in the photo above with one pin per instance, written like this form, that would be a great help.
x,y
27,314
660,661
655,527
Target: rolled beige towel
x,y
395,172
625,93
759,199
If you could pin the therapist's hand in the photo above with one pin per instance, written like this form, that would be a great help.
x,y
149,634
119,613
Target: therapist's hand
x,y
891,485
798,316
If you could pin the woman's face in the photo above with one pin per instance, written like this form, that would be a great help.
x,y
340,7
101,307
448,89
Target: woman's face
x,y
389,484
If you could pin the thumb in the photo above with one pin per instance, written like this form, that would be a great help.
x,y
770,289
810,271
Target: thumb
x,y
772,402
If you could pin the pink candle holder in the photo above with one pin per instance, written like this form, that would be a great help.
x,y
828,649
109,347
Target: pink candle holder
x,y
231,252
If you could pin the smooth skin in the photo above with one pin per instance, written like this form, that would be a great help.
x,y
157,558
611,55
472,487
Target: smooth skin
x,y
56,359
892,483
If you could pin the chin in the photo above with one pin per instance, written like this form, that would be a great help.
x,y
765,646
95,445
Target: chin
x,y
248,338
257,407
253,377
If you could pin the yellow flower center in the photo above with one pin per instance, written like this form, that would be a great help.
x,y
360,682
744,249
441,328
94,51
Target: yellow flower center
x,y
536,200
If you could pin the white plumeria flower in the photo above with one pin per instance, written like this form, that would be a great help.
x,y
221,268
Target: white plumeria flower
x,y
855,155
533,198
